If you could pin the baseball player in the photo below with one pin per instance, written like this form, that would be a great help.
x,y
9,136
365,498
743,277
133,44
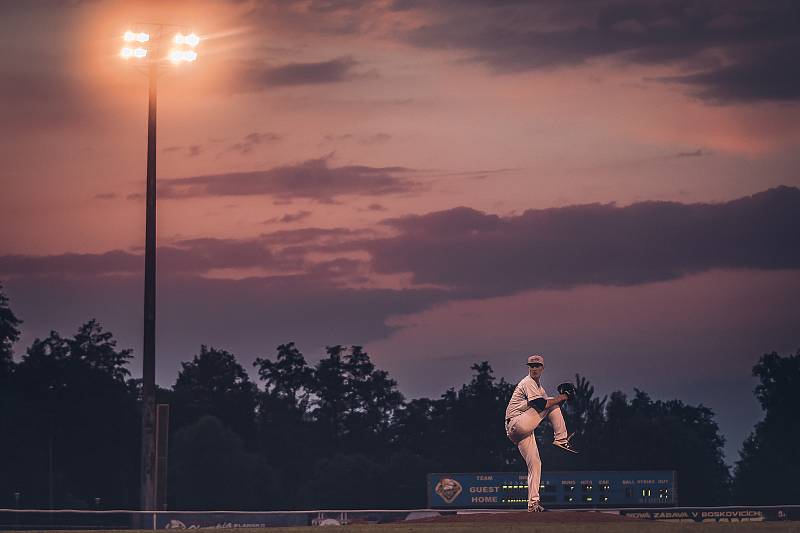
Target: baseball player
x,y
529,405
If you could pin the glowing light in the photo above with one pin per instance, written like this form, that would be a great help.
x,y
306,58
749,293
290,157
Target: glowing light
x,y
143,37
129,36
127,53
140,52
177,56
191,39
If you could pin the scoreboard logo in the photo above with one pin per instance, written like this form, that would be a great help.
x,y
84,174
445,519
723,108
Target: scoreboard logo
x,y
448,489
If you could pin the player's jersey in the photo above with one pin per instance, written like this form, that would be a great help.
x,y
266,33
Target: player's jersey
x,y
525,391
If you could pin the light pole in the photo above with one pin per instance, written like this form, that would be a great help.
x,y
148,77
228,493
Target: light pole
x,y
144,44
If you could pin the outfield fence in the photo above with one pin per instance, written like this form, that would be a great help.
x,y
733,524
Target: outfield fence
x,y
79,519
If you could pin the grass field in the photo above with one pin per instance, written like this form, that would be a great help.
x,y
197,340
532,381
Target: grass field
x,y
532,527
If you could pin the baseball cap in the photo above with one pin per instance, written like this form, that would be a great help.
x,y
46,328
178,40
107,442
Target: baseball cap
x,y
535,358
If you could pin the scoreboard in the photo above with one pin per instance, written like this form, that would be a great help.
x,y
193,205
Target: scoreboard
x,y
559,489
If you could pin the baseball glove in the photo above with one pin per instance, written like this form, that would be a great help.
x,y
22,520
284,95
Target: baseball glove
x,y
568,389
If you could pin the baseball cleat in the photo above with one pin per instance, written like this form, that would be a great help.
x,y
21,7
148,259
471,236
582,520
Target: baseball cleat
x,y
535,507
565,444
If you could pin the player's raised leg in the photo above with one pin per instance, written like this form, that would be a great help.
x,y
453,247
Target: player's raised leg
x,y
556,418
561,438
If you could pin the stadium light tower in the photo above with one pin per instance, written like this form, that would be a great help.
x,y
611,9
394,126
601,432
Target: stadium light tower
x,y
150,47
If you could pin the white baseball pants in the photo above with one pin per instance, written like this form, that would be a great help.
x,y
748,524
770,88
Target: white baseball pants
x,y
520,430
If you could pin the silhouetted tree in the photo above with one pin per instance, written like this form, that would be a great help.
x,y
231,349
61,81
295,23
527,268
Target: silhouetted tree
x,y
99,350
405,486
472,434
585,417
355,402
584,413
336,435
9,417
417,429
371,400
768,468
287,437
74,421
330,391
642,434
392,481
9,334
214,383
210,469
288,379
343,479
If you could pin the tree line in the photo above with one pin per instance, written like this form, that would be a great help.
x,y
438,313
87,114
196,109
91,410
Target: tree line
x,y
338,433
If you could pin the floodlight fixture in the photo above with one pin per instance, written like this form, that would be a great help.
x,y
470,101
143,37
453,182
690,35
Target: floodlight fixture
x,y
176,56
138,53
140,37
190,40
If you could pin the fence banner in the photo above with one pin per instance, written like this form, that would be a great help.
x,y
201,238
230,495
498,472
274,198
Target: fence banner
x,y
200,520
716,514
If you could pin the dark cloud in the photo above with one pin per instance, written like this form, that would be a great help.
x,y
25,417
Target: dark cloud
x,y
295,217
696,153
193,150
310,237
203,255
366,140
113,262
474,254
757,42
772,74
376,138
105,196
313,179
191,256
486,255
312,17
280,251
255,76
252,140
288,218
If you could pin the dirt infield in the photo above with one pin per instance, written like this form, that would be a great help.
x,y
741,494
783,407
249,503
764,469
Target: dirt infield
x,y
549,517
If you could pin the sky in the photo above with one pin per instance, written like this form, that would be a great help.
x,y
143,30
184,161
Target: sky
x,y
615,185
